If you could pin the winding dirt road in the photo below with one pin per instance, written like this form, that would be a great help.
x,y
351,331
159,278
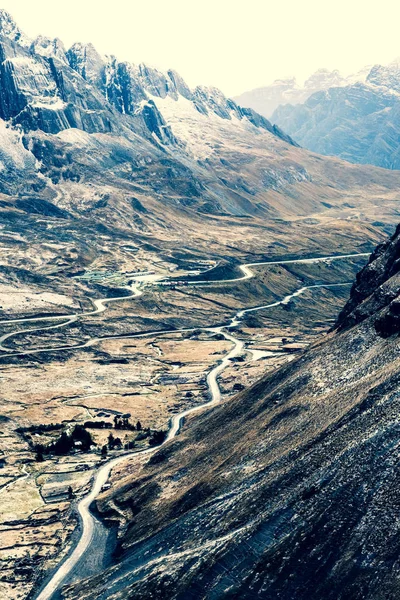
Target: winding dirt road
x,y
103,473
100,306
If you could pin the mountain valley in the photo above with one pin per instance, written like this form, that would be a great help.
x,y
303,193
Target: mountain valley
x,y
174,388
301,464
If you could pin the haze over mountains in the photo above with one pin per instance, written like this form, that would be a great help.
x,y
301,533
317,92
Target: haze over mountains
x,y
354,118
288,91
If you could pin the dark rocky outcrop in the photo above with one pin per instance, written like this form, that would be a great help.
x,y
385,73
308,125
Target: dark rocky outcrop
x,y
376,288
38,206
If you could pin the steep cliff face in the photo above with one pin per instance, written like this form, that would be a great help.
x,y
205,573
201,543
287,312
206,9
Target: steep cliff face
x,y
129,86
10,29
46,92
289,490
43,93
45,87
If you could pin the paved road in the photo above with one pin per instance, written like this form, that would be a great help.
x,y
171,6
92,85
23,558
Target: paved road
x,y
102,475
67,567
101,305
248,273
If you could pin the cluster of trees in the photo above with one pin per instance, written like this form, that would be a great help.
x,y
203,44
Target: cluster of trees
x,y
39,429
143,434
81,437
114,442
98,425
124,423
157,438
119,423
65,443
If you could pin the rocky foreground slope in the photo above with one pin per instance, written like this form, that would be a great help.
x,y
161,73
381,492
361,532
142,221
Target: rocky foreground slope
x,y
290,490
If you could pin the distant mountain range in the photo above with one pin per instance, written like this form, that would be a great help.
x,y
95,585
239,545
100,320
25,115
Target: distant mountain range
x,y
358,122
265,100
356,118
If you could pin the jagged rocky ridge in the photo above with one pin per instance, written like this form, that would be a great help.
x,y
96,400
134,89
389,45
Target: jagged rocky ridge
x,y
40,89
289,490
357,122
46,91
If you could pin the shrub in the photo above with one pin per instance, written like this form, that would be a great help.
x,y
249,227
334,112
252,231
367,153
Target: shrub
x,y
157,438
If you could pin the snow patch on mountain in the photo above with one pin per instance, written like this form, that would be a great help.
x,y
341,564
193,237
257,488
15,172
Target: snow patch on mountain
x,y
48,48
186,122
75,136
53,104
86,61
13,154
386,76
199,133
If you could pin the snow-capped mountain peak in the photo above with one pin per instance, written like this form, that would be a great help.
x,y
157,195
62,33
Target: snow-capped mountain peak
x,y
266,100
10,29
47,88
86,61
323,79
49,48
287,91
360,76
395,63
386,76
357,120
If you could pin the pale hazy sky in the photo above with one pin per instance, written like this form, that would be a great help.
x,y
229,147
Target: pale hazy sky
x,y
233,45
